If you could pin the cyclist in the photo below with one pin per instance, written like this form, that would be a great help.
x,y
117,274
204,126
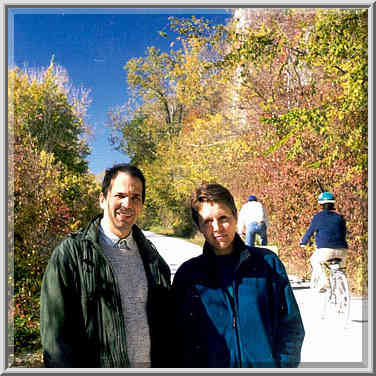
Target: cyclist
x,y
330,238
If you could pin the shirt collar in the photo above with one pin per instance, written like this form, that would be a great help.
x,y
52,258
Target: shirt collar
x,y
111,239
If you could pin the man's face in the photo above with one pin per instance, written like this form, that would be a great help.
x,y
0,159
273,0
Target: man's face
x,y
123,204
218,225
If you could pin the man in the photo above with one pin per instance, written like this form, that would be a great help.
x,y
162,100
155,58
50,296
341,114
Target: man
x,y
330,230
105,287
233,305
252,221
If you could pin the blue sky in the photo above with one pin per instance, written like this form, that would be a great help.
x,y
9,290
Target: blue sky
x,y
93,45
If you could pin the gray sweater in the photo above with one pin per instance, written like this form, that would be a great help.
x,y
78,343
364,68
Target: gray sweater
x,y
129,270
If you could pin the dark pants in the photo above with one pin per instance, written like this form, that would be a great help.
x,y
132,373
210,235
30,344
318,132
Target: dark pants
x,y
255,228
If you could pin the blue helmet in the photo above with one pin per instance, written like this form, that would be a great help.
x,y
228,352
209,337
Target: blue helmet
x,y
326,197
252,198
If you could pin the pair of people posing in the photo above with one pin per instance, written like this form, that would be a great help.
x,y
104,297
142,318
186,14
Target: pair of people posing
x,y
106,298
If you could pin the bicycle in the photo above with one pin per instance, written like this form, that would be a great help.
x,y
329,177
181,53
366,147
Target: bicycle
x,y
338,297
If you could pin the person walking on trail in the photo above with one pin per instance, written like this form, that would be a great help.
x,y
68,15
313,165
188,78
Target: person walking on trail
x,y
329,228
106,287
233,306
253,220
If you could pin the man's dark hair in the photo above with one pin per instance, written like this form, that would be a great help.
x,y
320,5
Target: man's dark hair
x,y
112,172
213,193
328,206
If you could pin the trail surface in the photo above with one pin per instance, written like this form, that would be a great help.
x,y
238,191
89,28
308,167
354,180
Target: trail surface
x,y
174,250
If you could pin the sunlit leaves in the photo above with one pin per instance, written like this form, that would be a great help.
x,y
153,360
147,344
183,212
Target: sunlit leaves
x,y
44,106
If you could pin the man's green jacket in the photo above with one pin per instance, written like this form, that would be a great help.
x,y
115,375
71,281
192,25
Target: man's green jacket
x,y
82,322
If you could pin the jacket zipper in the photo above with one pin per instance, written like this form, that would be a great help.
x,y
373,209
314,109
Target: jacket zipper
x,y
121,313
236,326
232,300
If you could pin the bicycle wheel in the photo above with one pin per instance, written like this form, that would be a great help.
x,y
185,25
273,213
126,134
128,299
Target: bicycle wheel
x,y
342,296
329,299
314,281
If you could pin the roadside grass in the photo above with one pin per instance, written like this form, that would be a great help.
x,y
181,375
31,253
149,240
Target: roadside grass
x,y
27,359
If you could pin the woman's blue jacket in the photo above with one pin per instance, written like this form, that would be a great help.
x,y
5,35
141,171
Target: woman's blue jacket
x,y
259,325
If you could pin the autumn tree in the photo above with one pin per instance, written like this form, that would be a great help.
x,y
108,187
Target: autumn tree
x,y
51,191
299,71
51,111
167,89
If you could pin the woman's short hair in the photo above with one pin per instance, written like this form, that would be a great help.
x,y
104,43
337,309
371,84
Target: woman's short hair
x,y
213,193
328,206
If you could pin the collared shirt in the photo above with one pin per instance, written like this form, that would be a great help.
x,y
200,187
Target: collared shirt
x,y
112,240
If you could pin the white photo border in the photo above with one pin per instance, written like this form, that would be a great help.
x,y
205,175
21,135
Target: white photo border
x,y
7,50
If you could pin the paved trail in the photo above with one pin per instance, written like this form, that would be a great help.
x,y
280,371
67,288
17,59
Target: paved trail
x,y
174,250
327,344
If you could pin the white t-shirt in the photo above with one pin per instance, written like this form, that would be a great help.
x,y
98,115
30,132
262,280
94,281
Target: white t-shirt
x,y
252,211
